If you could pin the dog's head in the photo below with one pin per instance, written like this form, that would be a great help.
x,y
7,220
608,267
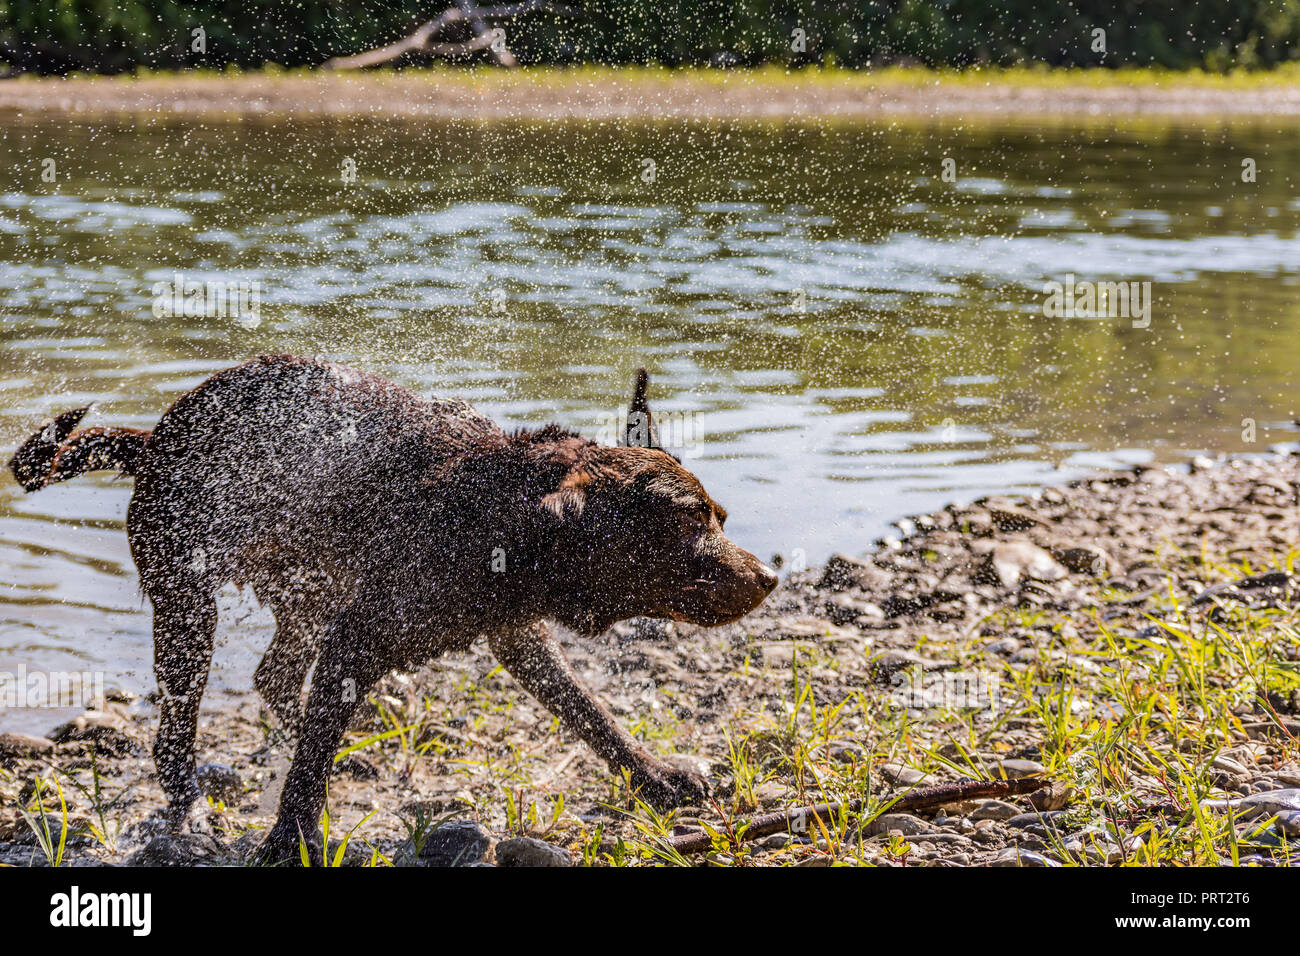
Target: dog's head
x,y
637,534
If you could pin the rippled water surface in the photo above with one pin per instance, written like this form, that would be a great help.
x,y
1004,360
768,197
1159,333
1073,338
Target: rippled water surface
x,y
843,336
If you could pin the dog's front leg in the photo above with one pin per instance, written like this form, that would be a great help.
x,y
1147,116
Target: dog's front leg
x,y
534,657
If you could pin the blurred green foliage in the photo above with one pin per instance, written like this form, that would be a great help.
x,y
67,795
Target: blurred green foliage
x,y
113,35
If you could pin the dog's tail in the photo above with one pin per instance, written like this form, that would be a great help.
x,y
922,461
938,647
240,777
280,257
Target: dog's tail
x,y
57,453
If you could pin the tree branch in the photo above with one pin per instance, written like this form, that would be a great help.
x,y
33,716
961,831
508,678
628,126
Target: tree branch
x,y
800,818
422,40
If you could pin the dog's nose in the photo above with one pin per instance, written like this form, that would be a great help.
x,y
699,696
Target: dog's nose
x,y
767,578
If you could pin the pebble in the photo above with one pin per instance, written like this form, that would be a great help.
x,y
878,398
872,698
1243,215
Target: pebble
x,y
1021,768
653,630
995,810
1035,819
1103,848
1007,518
888,663
529,851
21,854
1289,775
1054,796
357,767
1006,646
456,843
904,823
1006,562
1287,824
903,776
947,838
843,571
1014,856
1085,560
103,728
1228,765
1258,804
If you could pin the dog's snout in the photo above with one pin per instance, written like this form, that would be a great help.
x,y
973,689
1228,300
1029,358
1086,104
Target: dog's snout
x,y
766,577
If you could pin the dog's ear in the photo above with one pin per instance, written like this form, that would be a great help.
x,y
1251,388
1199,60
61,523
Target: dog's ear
x,y
568,500
640,427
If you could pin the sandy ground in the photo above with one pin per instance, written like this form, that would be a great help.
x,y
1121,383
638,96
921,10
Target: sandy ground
x,y
611,94
1130,639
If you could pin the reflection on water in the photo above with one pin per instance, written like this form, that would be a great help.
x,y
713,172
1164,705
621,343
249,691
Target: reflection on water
x,y
845,336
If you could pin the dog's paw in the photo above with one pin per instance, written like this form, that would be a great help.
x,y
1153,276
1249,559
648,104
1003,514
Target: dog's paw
x,y
177,817
665,787
285,847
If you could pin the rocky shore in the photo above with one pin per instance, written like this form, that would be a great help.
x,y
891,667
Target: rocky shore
x,y
631,94
1131,639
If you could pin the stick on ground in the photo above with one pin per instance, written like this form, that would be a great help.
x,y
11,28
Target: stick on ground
x,y
799,818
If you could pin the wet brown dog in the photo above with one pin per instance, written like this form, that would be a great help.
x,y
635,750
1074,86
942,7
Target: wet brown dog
x,y
382,529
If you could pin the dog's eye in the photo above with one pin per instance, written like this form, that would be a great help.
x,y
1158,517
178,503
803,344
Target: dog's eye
x,y
696,521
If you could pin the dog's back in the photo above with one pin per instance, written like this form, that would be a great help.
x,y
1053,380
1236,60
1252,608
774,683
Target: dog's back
x,y
289,462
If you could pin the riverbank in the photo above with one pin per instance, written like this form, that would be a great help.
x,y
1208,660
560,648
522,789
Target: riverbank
x,y
590,93
1131,639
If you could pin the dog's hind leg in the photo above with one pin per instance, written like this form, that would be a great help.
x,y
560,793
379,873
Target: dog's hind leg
x,y
183,625
284,667
349,665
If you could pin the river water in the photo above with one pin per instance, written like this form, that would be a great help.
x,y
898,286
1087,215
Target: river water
x,y
838,333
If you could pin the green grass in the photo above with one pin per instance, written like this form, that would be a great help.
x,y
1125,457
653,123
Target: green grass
x,y
1134,734
1127,706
